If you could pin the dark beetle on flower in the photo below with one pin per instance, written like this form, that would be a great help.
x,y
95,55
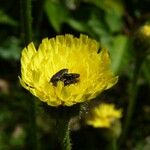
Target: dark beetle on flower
x,y
63,75
70,78
58,76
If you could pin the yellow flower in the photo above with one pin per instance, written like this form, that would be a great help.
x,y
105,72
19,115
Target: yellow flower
x,y
145,30
66,70
142,42
104,115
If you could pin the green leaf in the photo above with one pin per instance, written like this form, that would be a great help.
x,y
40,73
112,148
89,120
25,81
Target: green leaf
x,y
97,24
57,13
121,53
113,12
93,23
114,22
80,22
5,19
10,49
115,6
80,26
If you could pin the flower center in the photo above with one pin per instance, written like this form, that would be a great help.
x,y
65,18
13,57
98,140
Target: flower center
x,y
65,77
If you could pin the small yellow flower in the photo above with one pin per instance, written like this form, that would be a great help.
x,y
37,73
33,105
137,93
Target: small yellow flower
x,y
66,70
104,115
145,30
142,41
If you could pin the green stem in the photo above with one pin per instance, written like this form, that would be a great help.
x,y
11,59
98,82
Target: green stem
x,y
146,72
40,7
31,136
26,22
112,144
133,89
63,133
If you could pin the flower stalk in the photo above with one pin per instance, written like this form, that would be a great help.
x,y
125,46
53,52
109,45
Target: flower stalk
x,y
63,133
31,125
26,21
112,144
133,90
62,116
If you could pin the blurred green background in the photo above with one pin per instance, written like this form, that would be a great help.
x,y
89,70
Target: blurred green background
x,y
113,24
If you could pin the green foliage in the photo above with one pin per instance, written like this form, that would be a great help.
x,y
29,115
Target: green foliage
x,y
121,52
11,50
6,19
57,13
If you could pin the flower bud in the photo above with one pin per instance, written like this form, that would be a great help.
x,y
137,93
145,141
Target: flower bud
x,y
142,41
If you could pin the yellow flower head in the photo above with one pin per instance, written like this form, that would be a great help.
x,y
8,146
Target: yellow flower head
x,y
142,41
66,70
104,115
145,30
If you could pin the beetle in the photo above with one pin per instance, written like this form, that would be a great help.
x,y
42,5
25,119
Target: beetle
x,y
65,77
58,76
71,78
